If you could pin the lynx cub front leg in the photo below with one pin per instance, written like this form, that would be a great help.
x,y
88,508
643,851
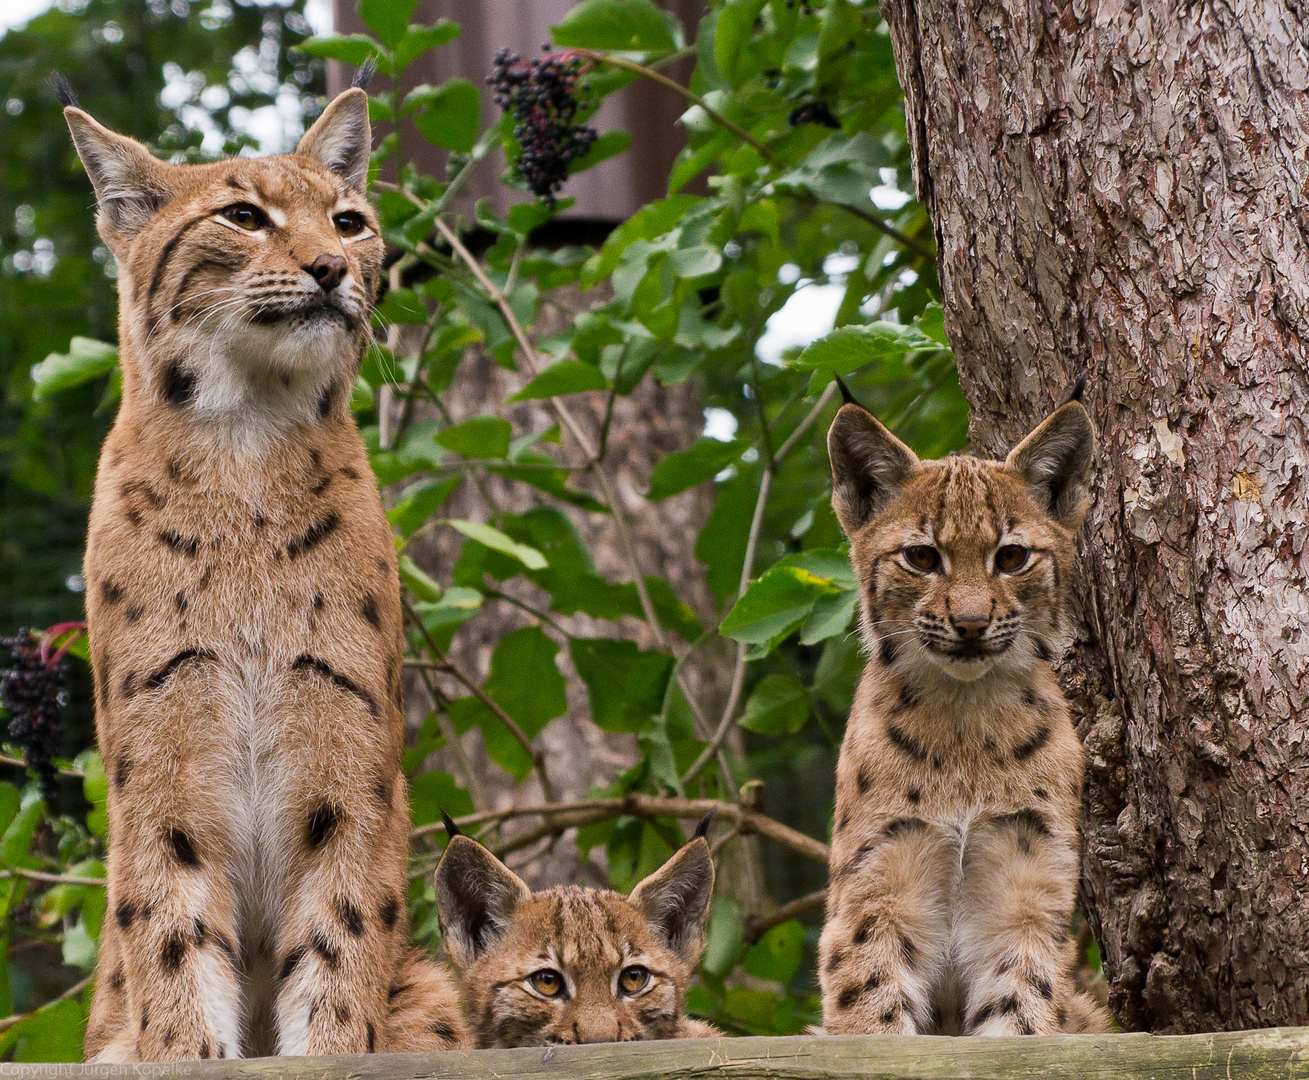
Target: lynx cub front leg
x,y
887,934
1013,943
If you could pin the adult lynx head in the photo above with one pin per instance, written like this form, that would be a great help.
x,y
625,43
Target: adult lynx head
x,y
570,964
963,563
245,285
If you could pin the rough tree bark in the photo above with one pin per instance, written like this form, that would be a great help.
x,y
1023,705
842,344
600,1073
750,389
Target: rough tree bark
x,y
1122,188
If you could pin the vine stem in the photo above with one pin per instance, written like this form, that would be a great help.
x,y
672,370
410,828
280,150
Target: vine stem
x,y
451,668
677,88
567,815
747,572
9,1021
53,879
472,780
5,759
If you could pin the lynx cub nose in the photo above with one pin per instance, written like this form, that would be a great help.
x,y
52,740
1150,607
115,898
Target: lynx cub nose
x,y
327,270
970,626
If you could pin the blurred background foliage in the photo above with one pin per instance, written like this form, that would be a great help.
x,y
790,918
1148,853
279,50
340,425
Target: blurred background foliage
x,y
787,216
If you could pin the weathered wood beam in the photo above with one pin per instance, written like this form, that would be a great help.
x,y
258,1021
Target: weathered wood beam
x,y
1238,1055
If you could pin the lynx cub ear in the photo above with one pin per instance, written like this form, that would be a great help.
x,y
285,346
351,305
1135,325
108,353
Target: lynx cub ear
x,y
476,895
341,138
869,465
675,898
130,184
1055,461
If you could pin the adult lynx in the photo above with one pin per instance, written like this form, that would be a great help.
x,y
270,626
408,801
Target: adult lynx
x,y
245,619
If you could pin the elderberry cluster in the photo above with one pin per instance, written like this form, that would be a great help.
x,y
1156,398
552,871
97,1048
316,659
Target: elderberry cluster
x,y
541,96
33,694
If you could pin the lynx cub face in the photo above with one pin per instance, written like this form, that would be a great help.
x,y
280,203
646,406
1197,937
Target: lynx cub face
x,y
570,964
954,854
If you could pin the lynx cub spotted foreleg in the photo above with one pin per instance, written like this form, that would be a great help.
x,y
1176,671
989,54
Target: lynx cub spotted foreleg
x,y
244,616
954,849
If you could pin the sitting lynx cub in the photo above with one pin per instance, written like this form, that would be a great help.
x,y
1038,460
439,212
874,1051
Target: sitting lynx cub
x,y
244,616
572,964
954,850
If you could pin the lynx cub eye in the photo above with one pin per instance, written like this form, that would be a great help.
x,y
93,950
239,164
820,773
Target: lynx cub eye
x,y
247,217
922,557
547,982
1011,557
632,980
349,223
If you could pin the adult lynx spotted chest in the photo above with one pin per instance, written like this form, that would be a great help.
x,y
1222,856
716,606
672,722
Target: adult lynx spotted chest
x,y
958,790
245,621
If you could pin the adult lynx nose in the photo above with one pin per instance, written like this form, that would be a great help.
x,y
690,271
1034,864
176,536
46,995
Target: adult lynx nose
x,y
327,270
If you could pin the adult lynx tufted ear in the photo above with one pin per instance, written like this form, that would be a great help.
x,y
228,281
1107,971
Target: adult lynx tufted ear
x,y
1055,461
675,898
476,896
869,465
131,185
341,138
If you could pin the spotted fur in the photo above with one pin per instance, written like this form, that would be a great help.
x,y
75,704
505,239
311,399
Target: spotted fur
x,y
245,621
501,938
954,856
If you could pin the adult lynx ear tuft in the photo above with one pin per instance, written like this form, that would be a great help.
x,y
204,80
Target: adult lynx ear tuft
x,y
131,186
869,465
476,896
675,898
342,139
1055,461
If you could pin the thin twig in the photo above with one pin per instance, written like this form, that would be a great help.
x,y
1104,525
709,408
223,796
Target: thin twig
x,y
53,879
677,88
472,781
5,759
756,926
747,572
560,816
453,669
72,991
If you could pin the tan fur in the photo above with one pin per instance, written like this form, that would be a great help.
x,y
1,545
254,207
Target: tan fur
x,y
245,622
499,934
954,854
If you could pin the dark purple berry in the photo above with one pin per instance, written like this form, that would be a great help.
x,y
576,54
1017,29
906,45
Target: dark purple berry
x,y
33,694
815,112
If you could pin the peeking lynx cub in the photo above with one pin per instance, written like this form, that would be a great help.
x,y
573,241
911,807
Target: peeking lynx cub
x,y
954,850
245,619
570,964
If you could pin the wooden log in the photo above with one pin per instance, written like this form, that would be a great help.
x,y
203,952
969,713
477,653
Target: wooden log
x,y
1236,1055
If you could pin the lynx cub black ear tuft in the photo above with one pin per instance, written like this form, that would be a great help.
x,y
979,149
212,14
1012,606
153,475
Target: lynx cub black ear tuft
x,y
131,186
341,138
476,896
869,465
1055,461
365,74
62,91
675,898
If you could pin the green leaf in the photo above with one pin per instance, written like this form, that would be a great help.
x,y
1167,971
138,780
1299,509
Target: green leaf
x,y
417,582
420,503
496,540
852,347
722,542
778,954
618,26
779,705
625,685
18,837
79,950
565,377
85,360
432,792
932,323
686,468
418,39
722,938
388,19
775,604
831,615
51,1034
361,395
450,115
612,143
457,604
400,306
478,437
732,32
352,49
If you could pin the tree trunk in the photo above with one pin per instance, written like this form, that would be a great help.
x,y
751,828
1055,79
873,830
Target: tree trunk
x,y
1119,188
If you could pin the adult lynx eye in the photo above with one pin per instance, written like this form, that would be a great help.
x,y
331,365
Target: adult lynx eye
x,y
247,217
547,982
922,557
1011,557
349,223
632,979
